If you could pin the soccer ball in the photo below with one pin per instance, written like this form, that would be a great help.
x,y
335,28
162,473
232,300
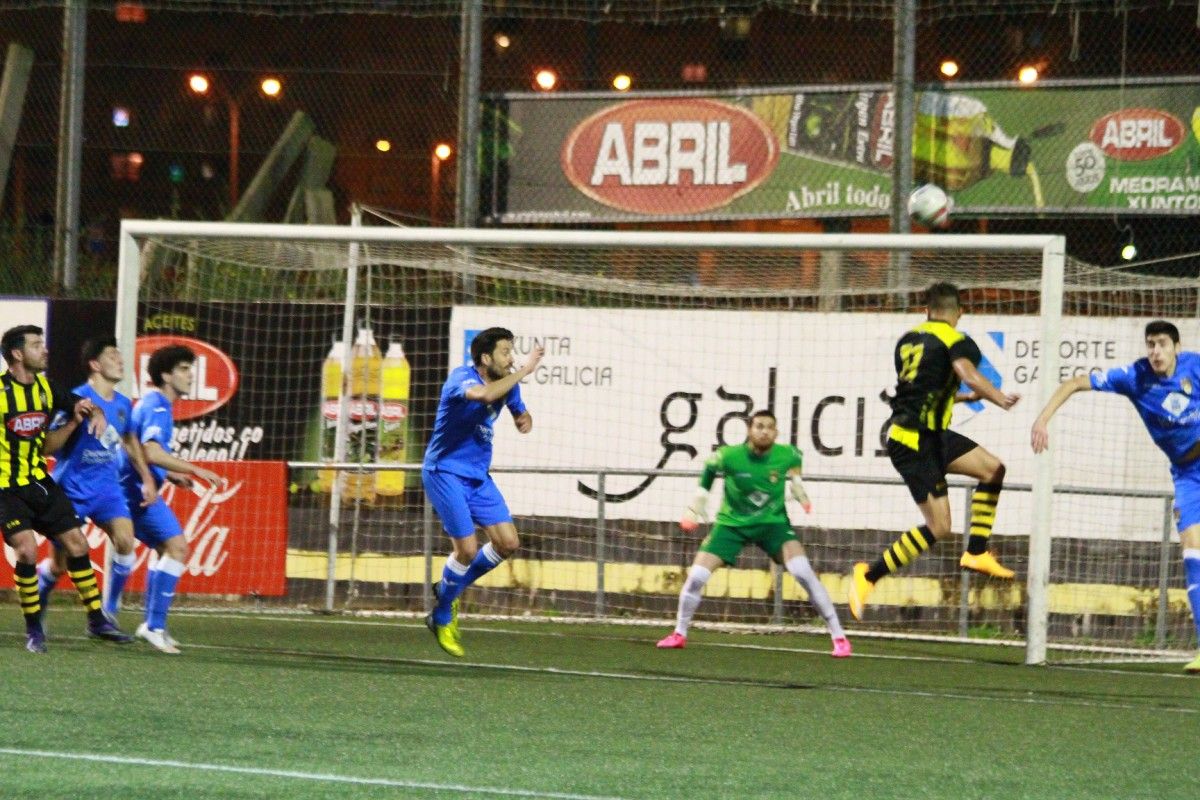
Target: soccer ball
x,y
930,206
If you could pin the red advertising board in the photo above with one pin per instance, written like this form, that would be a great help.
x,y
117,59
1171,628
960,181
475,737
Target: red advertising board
x,y
236,533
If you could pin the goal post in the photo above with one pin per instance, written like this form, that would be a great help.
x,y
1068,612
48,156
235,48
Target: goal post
x,y
599,281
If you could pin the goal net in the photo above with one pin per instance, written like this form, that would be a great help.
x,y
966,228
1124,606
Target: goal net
x,y
658,348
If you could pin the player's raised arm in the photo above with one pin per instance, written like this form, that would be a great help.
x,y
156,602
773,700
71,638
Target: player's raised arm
x,y
492,391
1039,437
981,386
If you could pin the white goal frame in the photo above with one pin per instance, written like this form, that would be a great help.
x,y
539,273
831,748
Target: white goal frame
x,y
1052,249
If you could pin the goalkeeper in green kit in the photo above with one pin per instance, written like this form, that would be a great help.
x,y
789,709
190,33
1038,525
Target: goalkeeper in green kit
x,y
753,512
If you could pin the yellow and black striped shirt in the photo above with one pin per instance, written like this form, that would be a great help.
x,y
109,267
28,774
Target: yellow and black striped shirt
x,y
27,410
925,377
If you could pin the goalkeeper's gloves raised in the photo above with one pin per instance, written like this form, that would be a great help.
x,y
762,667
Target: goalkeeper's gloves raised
x,y
696,512
797,488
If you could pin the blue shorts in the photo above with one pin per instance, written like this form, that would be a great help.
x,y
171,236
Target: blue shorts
x,y
1187,495
154,524
101,505
463,503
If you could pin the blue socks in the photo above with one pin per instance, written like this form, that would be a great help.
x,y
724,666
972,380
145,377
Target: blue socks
x,y
456,578
118,574
1191,573
162,592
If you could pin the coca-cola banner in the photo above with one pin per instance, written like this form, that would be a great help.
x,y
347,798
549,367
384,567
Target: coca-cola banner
x,y
236,533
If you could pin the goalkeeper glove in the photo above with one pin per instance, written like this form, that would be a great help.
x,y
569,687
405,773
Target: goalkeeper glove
x,y
797,487
696,512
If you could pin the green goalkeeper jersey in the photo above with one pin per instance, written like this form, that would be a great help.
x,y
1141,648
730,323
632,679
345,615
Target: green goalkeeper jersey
x,y
754,484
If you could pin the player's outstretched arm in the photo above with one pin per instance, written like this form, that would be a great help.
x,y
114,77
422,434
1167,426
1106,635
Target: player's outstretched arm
x,y
156,455
1039,437
981,386
493,391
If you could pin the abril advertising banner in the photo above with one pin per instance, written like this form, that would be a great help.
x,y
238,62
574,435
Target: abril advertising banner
x,y
1068,148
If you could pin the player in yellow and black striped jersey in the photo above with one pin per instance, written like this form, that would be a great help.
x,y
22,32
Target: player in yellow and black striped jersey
x,y
30,500
931,361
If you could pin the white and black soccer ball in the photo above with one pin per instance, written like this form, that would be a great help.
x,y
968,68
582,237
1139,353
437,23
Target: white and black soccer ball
x,y
930,206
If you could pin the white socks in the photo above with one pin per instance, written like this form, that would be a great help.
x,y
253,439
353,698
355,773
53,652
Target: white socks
x,y
689,597
802,571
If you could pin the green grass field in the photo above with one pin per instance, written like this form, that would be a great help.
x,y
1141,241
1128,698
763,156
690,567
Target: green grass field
x,y
317,707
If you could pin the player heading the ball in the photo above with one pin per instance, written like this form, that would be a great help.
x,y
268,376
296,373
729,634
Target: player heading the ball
x,y
931,360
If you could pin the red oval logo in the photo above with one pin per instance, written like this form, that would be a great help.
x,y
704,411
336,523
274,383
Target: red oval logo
x,y
677,156
214,375
1138,134
27,425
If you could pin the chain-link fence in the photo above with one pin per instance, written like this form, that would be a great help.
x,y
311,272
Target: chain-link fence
x,y
379,81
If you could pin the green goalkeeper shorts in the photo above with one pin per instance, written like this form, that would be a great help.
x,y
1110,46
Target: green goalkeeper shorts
x,y
725,541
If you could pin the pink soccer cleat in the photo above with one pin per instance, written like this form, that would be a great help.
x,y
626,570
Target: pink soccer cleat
x,y
841,648
676,641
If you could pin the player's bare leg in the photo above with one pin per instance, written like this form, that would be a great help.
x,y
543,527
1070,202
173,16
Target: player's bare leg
x,y
913,542
120,534
984,467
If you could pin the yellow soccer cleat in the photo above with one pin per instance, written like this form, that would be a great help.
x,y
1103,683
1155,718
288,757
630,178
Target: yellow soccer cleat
x,y
986,564
1193,666
860,587
447,636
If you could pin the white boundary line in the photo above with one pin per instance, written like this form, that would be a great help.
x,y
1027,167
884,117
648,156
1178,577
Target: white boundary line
x,y
746,682
297,775
373,619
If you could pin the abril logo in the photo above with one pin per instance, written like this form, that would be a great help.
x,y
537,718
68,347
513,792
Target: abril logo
x,y
469,336
987,368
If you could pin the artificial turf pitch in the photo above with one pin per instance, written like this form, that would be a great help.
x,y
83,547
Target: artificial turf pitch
x,y
335,707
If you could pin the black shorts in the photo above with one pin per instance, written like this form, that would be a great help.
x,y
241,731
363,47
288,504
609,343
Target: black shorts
x,y
41,506
955,446
924,468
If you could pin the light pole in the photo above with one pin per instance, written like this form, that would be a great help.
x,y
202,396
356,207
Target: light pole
x,y
441,152
200,85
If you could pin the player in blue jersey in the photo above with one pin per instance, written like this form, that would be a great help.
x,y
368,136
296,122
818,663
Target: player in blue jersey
x,y
86,468
155,525
455,471
1164,387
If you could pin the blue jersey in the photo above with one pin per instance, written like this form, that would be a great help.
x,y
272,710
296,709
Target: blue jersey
x,y
152,423
462,431
1169,407
87,464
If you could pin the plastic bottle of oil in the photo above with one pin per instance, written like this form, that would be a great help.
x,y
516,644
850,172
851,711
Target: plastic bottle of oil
x,y
395,385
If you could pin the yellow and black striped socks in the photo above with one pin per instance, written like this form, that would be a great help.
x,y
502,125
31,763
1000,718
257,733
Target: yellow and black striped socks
x,y
983,514
911,544
25,576
84,578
